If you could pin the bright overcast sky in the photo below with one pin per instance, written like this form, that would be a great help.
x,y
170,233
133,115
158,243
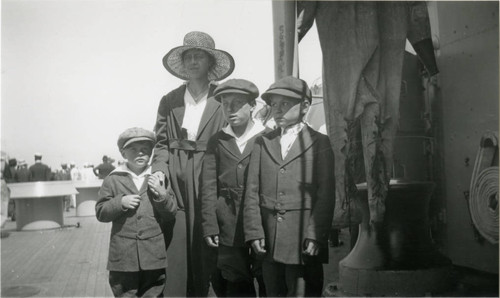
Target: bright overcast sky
x,y
75,74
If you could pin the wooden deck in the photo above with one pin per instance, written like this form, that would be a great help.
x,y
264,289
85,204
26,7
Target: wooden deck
x,y
71,261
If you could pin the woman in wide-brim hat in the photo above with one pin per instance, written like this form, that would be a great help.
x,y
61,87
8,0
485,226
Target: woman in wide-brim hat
x,y
187,117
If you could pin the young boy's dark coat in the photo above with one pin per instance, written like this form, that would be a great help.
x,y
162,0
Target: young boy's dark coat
x,y
137,241
223,181
287,201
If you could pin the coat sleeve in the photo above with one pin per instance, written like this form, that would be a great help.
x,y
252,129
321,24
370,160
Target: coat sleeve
x,y
209,190
109,205
161,152
320,221
252,219
165,206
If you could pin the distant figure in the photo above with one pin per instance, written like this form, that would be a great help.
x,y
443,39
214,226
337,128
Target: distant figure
x,y
74,172
105,168
87,173
62,175
5,192
75,175
40,171
12,167
22,173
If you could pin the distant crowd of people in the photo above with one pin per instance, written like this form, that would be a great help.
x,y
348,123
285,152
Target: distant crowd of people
x,y
14,171
18,170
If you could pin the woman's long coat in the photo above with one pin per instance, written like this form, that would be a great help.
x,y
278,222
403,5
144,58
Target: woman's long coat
x,y
181,161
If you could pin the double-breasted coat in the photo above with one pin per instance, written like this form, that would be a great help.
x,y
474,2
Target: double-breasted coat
x,y
224,174
181,160
137,241
292,199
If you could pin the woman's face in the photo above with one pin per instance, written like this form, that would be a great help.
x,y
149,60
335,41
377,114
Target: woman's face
x,y
197,63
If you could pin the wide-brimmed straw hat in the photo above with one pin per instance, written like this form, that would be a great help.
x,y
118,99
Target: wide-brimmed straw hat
x,y
224,62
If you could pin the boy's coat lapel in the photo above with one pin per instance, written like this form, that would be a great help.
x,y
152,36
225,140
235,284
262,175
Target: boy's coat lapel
x,y
128,183
304,140
272,144
229,144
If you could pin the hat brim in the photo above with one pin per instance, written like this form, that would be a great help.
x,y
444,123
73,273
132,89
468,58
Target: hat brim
x,y
138,139
284,92
238,91
223,67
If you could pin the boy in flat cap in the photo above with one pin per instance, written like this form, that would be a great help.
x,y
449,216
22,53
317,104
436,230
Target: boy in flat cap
x,y
138,204
223,178
289,196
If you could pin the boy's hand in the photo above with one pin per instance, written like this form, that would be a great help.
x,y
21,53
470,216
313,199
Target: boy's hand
x,y
131,201
259,246
212,241
156,185
160,175
311,248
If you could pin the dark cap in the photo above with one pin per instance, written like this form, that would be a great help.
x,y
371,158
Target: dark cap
x,y
135,134
239,86
289,87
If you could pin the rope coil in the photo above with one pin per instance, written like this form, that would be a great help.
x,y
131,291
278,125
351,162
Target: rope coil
x,y
483,200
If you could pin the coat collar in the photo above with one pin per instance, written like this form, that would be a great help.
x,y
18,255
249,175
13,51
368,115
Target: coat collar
x,y
304,141
210,110
229,143
178,106
127,181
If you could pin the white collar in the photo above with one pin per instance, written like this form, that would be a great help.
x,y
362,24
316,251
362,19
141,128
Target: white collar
x,y
293,129
250,131
125,169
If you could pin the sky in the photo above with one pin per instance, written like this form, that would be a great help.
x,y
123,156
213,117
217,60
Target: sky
x,y
76,73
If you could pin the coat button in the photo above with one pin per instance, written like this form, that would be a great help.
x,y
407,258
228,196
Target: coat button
x,y
280,219
139,217
281,194
282,171
240,166
140,233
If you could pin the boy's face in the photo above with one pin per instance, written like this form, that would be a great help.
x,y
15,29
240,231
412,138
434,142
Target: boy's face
x,y
196,63
137,154
236,108
287,111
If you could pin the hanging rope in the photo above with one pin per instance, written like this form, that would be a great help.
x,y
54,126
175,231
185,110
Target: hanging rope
x,y
483,200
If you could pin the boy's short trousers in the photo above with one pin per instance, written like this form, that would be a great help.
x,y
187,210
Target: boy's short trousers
x,y
238,263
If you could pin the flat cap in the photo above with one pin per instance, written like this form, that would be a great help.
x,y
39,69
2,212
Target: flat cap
x,y
239,86
135,134
289,87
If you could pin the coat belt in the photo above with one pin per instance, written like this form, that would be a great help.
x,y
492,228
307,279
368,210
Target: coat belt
x,y
231,193
187,145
